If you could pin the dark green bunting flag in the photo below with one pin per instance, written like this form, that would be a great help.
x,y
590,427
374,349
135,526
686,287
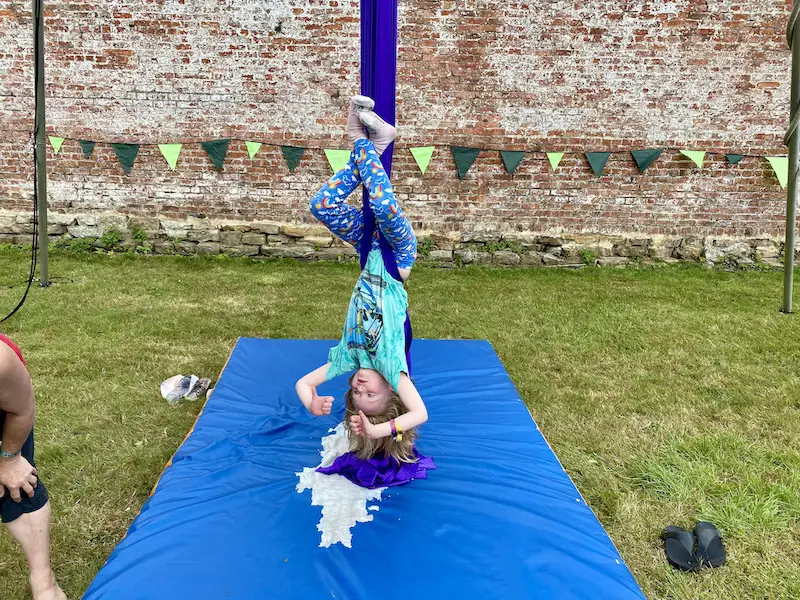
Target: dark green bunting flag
x,y
87,148
292,156
126,153
511,159
464,158
216,151
644,158
598,160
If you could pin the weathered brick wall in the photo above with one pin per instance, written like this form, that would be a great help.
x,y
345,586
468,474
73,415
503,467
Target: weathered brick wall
x,y
610,74
551,76
182,71
16,104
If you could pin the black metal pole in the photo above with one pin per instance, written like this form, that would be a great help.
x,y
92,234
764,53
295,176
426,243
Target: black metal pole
x,y
41,143
792,140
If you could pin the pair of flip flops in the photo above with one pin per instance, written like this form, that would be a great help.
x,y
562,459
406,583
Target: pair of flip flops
x,y
691,551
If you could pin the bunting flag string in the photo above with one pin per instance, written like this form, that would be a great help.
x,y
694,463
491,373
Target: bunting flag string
x,y
463,156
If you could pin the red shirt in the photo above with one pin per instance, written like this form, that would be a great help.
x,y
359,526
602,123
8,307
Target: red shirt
x,y
13,346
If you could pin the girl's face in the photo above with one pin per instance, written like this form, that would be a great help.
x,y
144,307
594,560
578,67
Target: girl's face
x,y
370,391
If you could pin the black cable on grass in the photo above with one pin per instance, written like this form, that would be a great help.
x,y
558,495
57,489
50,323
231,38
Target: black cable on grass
x,y
34,242
37,17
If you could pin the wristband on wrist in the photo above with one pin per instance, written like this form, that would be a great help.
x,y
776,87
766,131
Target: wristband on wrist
x,y
397,433
4,454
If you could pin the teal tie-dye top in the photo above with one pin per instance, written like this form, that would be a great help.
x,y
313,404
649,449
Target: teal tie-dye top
x,y
374,335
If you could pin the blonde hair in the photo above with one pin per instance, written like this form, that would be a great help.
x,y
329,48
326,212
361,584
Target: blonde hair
x,y
363,447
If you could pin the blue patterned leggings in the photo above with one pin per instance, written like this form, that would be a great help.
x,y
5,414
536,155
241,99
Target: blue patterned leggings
x,y
347,222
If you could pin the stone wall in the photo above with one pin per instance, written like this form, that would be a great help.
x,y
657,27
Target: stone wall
x,y
148,235
537,76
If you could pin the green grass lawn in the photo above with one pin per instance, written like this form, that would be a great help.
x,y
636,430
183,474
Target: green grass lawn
x,y
669,394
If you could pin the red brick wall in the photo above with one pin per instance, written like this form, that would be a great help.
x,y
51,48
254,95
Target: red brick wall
x,y
546,76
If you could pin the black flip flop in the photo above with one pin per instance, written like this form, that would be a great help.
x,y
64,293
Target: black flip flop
x,y
710,551
679,546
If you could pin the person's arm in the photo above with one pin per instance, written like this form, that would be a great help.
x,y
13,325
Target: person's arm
x,y
16,429
417,413
17,401
306,388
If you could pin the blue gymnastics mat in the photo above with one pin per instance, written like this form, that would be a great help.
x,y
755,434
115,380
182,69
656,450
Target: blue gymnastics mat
x,y
498,519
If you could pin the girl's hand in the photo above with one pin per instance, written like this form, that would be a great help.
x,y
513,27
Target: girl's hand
x,y
320,405
362,426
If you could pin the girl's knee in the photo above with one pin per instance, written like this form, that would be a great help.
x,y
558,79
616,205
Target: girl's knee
x,y
315,206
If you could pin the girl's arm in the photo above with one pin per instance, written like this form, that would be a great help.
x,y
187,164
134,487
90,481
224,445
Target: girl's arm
x,y
417,413
306,388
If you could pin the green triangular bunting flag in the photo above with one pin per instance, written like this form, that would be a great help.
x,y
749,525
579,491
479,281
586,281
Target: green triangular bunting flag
x,y
734,158
696,156
126,153
216,151
464,158
292,156
511,159
555,159
337,159
56,142
171,152
780,164
422,156
644,158
253,148
598,160
87,147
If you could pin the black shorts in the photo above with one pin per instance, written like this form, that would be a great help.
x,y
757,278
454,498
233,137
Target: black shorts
x,y
10,510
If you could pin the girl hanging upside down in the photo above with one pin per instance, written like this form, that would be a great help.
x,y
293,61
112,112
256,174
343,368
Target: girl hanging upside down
x,y
382,403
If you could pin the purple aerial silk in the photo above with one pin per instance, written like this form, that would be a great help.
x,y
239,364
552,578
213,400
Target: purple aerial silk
x,y
379,471
379,82
379,61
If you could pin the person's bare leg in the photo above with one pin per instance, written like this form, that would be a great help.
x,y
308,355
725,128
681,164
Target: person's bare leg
x,y
32,532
